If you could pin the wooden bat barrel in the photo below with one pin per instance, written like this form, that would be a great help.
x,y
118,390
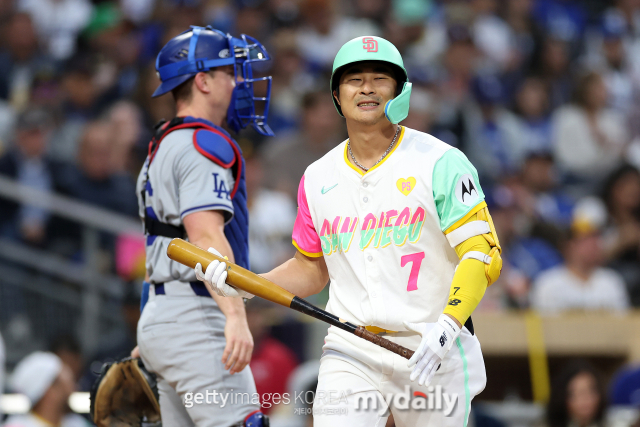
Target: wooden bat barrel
x,y
190,255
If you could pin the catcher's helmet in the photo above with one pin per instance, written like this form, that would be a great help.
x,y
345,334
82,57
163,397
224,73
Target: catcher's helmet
x,y
200,49
370,48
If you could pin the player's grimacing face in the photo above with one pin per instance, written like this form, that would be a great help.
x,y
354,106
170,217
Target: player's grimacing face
x,y
364,90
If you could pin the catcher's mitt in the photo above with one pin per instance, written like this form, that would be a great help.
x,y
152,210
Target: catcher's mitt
x,y
125,394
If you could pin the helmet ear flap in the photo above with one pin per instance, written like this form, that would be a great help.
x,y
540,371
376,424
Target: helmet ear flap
x,y
397,109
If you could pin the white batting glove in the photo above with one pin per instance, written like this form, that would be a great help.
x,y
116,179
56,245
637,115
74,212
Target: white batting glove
x,y
215,278
437,340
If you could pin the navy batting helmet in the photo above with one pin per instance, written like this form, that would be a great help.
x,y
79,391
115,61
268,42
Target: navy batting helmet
x,y
200,49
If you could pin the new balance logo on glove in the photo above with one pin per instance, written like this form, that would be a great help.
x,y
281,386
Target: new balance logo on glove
x,y
443,339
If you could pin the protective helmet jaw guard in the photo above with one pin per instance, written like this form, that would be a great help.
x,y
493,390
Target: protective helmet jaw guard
x,y
242,109
177,62
397,109
370,48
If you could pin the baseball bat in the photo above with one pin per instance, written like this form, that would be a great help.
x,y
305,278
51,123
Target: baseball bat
x,y
189,254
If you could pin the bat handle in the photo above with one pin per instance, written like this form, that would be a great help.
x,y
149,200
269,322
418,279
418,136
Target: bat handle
x,y
382,342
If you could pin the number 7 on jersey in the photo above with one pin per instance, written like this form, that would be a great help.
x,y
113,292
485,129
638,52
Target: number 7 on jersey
x,y
416,261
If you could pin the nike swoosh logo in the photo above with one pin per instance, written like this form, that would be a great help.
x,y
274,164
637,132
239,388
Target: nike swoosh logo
x,y
325,191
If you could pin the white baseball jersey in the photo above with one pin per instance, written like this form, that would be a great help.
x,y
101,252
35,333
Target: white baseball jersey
x,y
382,233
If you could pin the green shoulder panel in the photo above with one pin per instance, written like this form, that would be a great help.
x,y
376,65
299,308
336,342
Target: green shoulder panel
x,y
456,187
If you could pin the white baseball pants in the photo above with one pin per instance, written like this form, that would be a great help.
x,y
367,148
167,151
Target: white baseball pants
x,y
354,373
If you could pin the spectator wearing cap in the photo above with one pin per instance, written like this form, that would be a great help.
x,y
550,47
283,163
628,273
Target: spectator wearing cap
x,y
581,283
589,138
493,133
47,383
27,162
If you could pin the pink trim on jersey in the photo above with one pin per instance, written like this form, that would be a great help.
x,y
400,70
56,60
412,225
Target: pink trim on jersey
x,y
305,237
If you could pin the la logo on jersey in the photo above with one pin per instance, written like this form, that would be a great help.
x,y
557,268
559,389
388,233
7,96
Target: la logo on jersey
x,y
466,192
220,188
370,44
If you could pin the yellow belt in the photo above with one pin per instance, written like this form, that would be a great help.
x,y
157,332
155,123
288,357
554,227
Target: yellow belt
x,y
376,330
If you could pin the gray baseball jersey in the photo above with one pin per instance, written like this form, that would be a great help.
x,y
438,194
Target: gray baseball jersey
x,y
181,181
181,334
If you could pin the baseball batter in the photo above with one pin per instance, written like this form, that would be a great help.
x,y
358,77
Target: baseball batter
x,y
192,185
396,220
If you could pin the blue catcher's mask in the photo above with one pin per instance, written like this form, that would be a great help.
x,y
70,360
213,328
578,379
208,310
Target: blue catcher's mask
x,y
242,109
200,49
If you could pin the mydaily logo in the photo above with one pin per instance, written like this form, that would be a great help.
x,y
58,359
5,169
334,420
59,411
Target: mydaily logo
x,y
434,400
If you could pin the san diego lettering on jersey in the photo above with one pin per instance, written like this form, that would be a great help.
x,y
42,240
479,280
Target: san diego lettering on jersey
x,y
389,227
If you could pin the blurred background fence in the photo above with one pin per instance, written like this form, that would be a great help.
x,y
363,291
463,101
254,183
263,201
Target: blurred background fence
x,y
44,294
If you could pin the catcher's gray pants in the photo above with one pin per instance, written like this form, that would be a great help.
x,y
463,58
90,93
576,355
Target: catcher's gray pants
x,y
181,339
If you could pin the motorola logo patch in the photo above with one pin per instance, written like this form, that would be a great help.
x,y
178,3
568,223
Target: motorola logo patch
x,y
466,190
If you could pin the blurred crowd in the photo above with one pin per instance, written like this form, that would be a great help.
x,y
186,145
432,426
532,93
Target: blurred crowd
x,y
541,95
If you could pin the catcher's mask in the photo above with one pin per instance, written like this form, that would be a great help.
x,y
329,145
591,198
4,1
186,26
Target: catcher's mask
x,y
201,49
